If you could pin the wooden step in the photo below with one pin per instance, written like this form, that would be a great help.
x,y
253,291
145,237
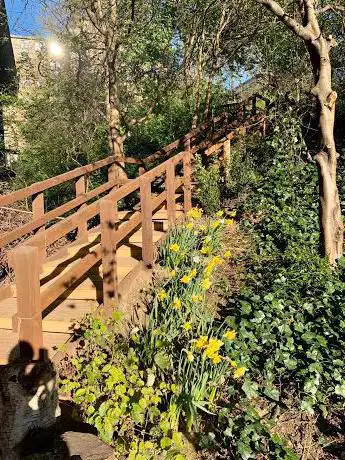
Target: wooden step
x,y
91,288
9,341
58,317
137,237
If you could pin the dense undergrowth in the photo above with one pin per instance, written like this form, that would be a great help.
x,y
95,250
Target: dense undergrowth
x,y
219,361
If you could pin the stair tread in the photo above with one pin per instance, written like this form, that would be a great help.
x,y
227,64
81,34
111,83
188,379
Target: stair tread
x,y
137,237
9,340
63,310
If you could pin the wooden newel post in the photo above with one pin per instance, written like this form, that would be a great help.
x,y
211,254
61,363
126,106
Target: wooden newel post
x,y
170,189
226,158
37,213
109,220
264,127
27,266
187,180
146,220
81,189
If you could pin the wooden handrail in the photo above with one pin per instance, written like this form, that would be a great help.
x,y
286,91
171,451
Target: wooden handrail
x,y
12,235
38,187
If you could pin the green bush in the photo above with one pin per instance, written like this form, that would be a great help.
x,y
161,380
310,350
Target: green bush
x,y
123,400
290,315
208,184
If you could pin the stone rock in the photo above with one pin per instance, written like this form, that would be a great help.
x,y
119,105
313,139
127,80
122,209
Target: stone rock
x,y
86,446
28,402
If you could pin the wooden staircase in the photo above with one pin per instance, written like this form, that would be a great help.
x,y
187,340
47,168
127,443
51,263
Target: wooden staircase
x,y
86,294
52,292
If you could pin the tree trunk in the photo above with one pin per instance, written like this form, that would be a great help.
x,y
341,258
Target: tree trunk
x,y
115,139
208,96
330,210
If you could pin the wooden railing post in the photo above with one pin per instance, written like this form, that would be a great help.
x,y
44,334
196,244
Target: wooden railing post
x,y
263,127
226,158
109,220
146,220
187,180
27,266
37,213
170,189
81,189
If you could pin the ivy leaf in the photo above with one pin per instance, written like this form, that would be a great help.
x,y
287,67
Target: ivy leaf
x,y
244,450
272,393
340,390
250,389
307,406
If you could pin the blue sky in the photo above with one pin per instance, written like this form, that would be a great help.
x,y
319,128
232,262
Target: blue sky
x,y
24,16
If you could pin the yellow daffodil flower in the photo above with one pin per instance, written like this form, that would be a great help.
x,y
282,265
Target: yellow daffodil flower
x,y
205,250
227,254
185,279
190,356
212,264
206,283
229,222
230,335
195,213
213,347
193,273
174,247
162,295
233,363
201,342
220,213
232,213
202,228
216,359
177,304
239,372
196,298
215,224
190,225
173,273
187,326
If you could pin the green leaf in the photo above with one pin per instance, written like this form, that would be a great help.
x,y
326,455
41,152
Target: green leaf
x,y
244,450
340,390
272,393
162,360
250,389
165,443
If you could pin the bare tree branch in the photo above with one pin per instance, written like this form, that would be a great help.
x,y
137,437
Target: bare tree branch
x,y
291,23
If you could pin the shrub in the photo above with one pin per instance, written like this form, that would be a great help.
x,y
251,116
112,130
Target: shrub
x,y
290,314
208,185
124,401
